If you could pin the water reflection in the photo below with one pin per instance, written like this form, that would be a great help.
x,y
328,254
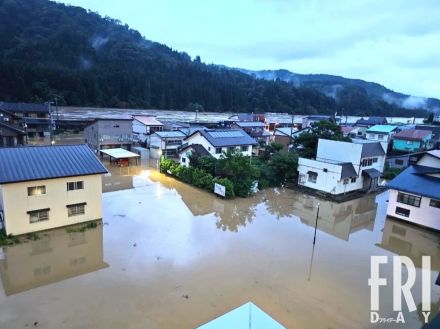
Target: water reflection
x,y
56,256
409,240
337,219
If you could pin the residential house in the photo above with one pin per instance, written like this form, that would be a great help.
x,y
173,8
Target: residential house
x,y
342,167
109,133
414,195
144,126
277,120
36,119
11,131
309,120
402,161
412,140
362,125
43,187
435,134
255,130
382,133
217,141
348,131
166,143
189,150
286,135
174,125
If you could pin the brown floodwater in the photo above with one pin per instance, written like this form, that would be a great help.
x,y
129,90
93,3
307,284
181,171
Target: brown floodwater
x,y
168,255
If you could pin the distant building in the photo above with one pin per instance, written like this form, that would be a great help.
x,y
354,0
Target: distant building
x,y
35,119
403,161
412,140
342,167
255,130
144,126
217,141
109,133
371,121
43,187
285,136
435,133
11,131
308,120
382,133
166,143
414,194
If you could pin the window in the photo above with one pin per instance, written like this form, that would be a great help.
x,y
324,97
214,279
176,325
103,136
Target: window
x,y
218,150
231,148
409,199
353,179
312,176
375,160
434,203
76,209
183,159
36,190
402,212
38,215
346,181
380,136
244,148
79,185
398,162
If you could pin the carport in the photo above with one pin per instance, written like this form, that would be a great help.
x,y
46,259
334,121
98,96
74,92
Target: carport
x,y
119,156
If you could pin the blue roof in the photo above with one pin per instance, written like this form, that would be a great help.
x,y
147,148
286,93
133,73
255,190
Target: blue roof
x,y
22,164
226,137
415,180
244,317
382,129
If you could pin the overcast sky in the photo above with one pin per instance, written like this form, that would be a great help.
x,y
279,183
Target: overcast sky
x,y
395,43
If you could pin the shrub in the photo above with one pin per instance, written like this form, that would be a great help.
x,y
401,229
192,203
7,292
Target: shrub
x,y
229,186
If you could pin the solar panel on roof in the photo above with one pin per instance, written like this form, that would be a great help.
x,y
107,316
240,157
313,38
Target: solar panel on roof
x,y
226,134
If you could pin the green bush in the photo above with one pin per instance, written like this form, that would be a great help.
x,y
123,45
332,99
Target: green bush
x,y
229,186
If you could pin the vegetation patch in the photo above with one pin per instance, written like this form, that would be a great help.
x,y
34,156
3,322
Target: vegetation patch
x,y
82,228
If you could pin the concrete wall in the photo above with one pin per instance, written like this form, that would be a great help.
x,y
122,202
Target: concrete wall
x,y
328,181
424,215
109,132
199,139
16,203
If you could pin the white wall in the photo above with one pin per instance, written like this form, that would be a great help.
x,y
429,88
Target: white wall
x,y
425,215
140,129
328,182
429,161
197,138
17,203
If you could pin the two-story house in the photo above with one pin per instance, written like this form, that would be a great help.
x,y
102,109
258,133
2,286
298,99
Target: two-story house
x,y
381,133
218,141
36,119
412,140
166,143
43,187
144,126
414,194
342,167
109,133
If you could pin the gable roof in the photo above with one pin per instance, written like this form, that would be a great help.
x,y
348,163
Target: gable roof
x,y
415,180
24,107
30,163
348,170
198,149
226,137
371,150
412,134
385,129
147,120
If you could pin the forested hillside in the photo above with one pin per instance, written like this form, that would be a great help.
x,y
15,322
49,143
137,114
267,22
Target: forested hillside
x,y
52,50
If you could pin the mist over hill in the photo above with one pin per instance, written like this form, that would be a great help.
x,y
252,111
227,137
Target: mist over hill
x,y
54,50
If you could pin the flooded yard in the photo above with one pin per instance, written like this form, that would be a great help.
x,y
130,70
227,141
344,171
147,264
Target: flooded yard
x,y
168,255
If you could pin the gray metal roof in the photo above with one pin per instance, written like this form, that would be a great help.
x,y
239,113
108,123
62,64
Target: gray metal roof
x,y
24,107
170,134
226,137
373,173
246,124
415,180
371,150
348,170
198,149
21,164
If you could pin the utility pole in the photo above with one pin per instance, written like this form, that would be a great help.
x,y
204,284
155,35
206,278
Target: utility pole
x,y
316,224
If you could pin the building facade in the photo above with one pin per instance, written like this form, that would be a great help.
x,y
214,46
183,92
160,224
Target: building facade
x,y
109,133
44,187
412,140
381,133
144,126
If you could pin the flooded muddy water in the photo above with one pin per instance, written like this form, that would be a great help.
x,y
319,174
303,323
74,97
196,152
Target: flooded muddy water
x,y
168,255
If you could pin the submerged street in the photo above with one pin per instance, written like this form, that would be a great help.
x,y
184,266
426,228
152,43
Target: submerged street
x,y
168,255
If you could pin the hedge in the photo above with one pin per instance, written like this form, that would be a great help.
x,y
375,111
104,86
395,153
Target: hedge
x,y
197,177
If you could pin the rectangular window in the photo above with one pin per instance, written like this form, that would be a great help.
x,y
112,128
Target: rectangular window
x,y
71,186
409,199
76,209
36,190
218,150
380,136
231,148
353,179
434,203
398,162
244,148
38,215
402,212
346,181
312,176
375,160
